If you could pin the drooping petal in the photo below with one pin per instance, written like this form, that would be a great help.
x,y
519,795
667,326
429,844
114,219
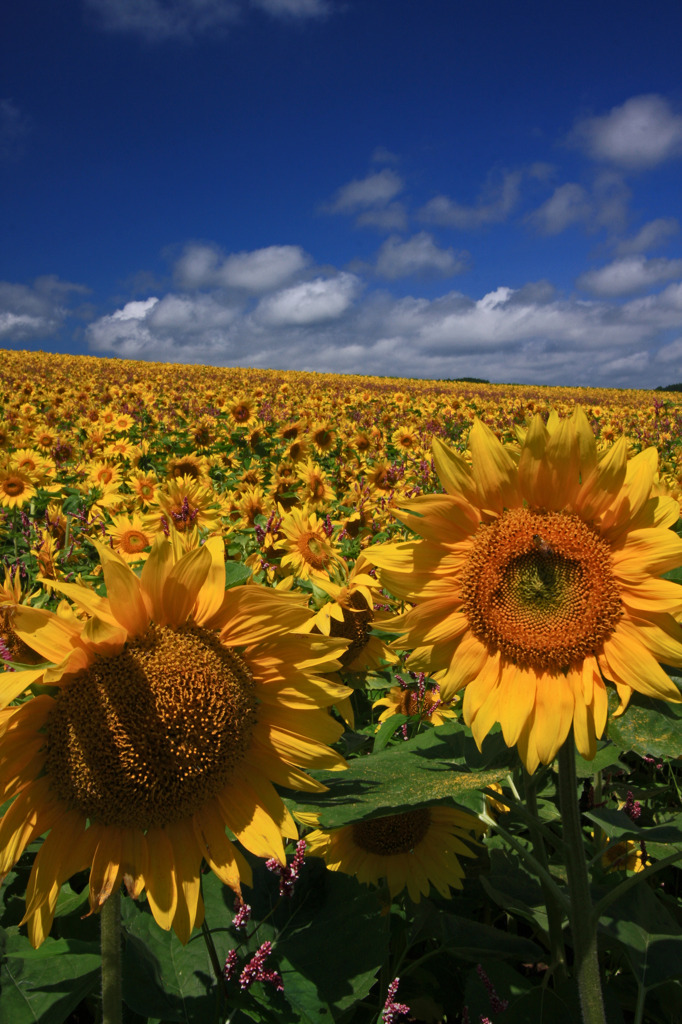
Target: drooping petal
x,y
187,861
516,702
162,891
223,858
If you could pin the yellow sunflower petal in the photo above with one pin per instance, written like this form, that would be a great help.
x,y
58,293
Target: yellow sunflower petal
x,y
494,469
183,584
631,664
51,636
222,856
453,472
13,684
153,579
187,861
123,591
162,892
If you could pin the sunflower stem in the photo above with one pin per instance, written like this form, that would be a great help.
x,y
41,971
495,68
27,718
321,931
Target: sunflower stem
x,y
554,909
110,940
582,918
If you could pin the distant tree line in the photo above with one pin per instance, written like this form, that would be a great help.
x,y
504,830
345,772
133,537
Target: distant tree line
x,y
669,387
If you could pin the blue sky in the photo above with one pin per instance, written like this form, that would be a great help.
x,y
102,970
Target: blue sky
x,y
417,188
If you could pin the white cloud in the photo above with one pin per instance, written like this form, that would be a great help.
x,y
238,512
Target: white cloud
x,y
257,271
642,133
326,324
605,205
157,20
628,275
376,190
387,218
418,255
494,206
650,236
309,303
568,204
34,312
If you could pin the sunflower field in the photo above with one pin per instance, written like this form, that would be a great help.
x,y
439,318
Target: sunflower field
x,y
337,698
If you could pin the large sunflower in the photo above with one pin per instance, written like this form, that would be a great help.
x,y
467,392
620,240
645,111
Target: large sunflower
x,y
176,705
537,578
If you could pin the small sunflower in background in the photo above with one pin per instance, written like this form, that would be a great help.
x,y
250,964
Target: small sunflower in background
x,y
416,699
174,708
411,850
350,612
309,551
16,488
536,579
316,488
131,535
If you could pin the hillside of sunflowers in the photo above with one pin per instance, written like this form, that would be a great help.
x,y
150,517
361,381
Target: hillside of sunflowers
x,y
337,699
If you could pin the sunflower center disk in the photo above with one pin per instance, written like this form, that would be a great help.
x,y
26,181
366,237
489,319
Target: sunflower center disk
x,y
539,587
396,833
147,737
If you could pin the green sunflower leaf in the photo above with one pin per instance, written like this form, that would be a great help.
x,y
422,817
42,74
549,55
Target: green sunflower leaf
x,y
45,985
411,774
647,727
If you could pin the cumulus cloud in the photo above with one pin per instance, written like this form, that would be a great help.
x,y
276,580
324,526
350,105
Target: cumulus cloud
x,y
418,256
158,20
309,303
642,133
604,205
628,275
38,311
387,218
494,206
376,190
257,271
329,324
650,236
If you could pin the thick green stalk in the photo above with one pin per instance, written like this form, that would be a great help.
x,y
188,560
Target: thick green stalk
x,y
582,918
110,939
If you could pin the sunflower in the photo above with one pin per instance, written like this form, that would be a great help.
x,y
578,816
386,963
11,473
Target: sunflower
x,y
174,709
413,849
415,699
536,579
186,504
16,488
350,612
317,490
132,534
308,546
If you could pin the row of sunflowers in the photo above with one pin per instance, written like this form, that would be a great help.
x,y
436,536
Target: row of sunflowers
x,y
313,669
